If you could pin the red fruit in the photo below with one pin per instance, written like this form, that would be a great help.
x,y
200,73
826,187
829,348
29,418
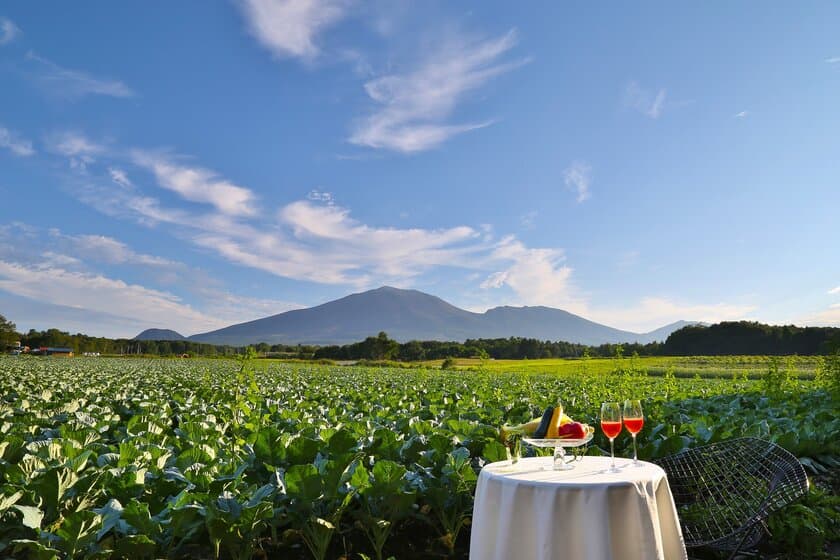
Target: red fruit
x,y
572,430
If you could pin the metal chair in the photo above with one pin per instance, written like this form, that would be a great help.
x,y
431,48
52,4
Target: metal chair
x,y
725,491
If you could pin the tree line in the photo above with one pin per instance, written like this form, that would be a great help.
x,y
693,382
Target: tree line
x,y
727,338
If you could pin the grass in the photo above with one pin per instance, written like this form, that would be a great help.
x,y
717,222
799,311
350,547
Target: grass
x,y
752,367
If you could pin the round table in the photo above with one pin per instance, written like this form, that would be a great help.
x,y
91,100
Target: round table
x,y
530,512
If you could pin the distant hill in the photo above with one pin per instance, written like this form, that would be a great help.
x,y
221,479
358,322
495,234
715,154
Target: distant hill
x,y
413,315
749,337
159,334
662,333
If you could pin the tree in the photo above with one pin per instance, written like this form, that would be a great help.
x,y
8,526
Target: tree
x,y
8,333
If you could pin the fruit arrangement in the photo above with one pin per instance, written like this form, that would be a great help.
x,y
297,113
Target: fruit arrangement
x,y
554,424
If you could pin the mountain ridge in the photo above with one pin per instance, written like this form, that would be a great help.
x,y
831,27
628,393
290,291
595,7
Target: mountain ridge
x,y
407,314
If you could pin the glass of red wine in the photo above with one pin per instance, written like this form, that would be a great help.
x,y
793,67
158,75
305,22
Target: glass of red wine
x,y
611,426
634,419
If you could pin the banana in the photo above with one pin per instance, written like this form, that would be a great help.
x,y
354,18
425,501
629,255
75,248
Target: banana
x,y
544,423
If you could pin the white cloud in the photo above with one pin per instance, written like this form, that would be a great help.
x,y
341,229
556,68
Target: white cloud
x,y
288,28
74,84
536,276
119,176
741,115
8,31
577,178
834,290
644,101
413,107
197,184
17,145
48,283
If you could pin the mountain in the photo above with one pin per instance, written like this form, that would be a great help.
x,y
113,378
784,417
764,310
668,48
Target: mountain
x,y
403,314
414,315
662,333
159,334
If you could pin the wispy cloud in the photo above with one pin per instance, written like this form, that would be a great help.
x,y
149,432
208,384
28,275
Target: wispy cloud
x,y
741,115
833,60
288,28
14,143
834,291
51,283
63,273
197,184
106,249
577,178
413,107
119,176
66,83
316,240
79,150
528,219
8,31
645,101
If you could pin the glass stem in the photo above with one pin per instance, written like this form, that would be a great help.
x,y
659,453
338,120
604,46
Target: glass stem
x,y
612,454
635,457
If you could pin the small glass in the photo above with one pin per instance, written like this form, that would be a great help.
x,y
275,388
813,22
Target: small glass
x,y
611,426
513,446
634,420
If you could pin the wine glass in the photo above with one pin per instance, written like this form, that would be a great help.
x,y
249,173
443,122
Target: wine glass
x,y
611,426
634,419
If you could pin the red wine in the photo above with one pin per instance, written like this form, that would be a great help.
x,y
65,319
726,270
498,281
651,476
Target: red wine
x,y
611,429
634,425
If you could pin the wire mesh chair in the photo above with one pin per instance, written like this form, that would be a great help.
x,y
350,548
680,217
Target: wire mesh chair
x,y
725,491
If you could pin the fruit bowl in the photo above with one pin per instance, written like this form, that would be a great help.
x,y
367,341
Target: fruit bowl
x,y
559,445
561,442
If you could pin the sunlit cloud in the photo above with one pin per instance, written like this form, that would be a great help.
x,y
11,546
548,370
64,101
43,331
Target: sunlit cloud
x,y
413,108
834,290
197,184
741,115
288,28
537,276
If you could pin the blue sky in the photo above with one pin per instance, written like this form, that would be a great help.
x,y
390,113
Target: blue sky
x,y
195,164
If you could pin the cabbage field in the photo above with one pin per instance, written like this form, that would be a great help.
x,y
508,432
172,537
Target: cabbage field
x,y
157,458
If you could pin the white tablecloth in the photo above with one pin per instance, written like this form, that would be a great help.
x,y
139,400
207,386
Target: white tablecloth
x,y
528,513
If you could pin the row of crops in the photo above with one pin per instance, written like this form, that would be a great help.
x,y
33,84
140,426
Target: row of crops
x,y
225,459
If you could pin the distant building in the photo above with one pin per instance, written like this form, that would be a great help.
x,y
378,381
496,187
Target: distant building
x,y
57,351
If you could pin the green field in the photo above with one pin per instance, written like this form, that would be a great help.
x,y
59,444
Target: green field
x,y
682,366
134,458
